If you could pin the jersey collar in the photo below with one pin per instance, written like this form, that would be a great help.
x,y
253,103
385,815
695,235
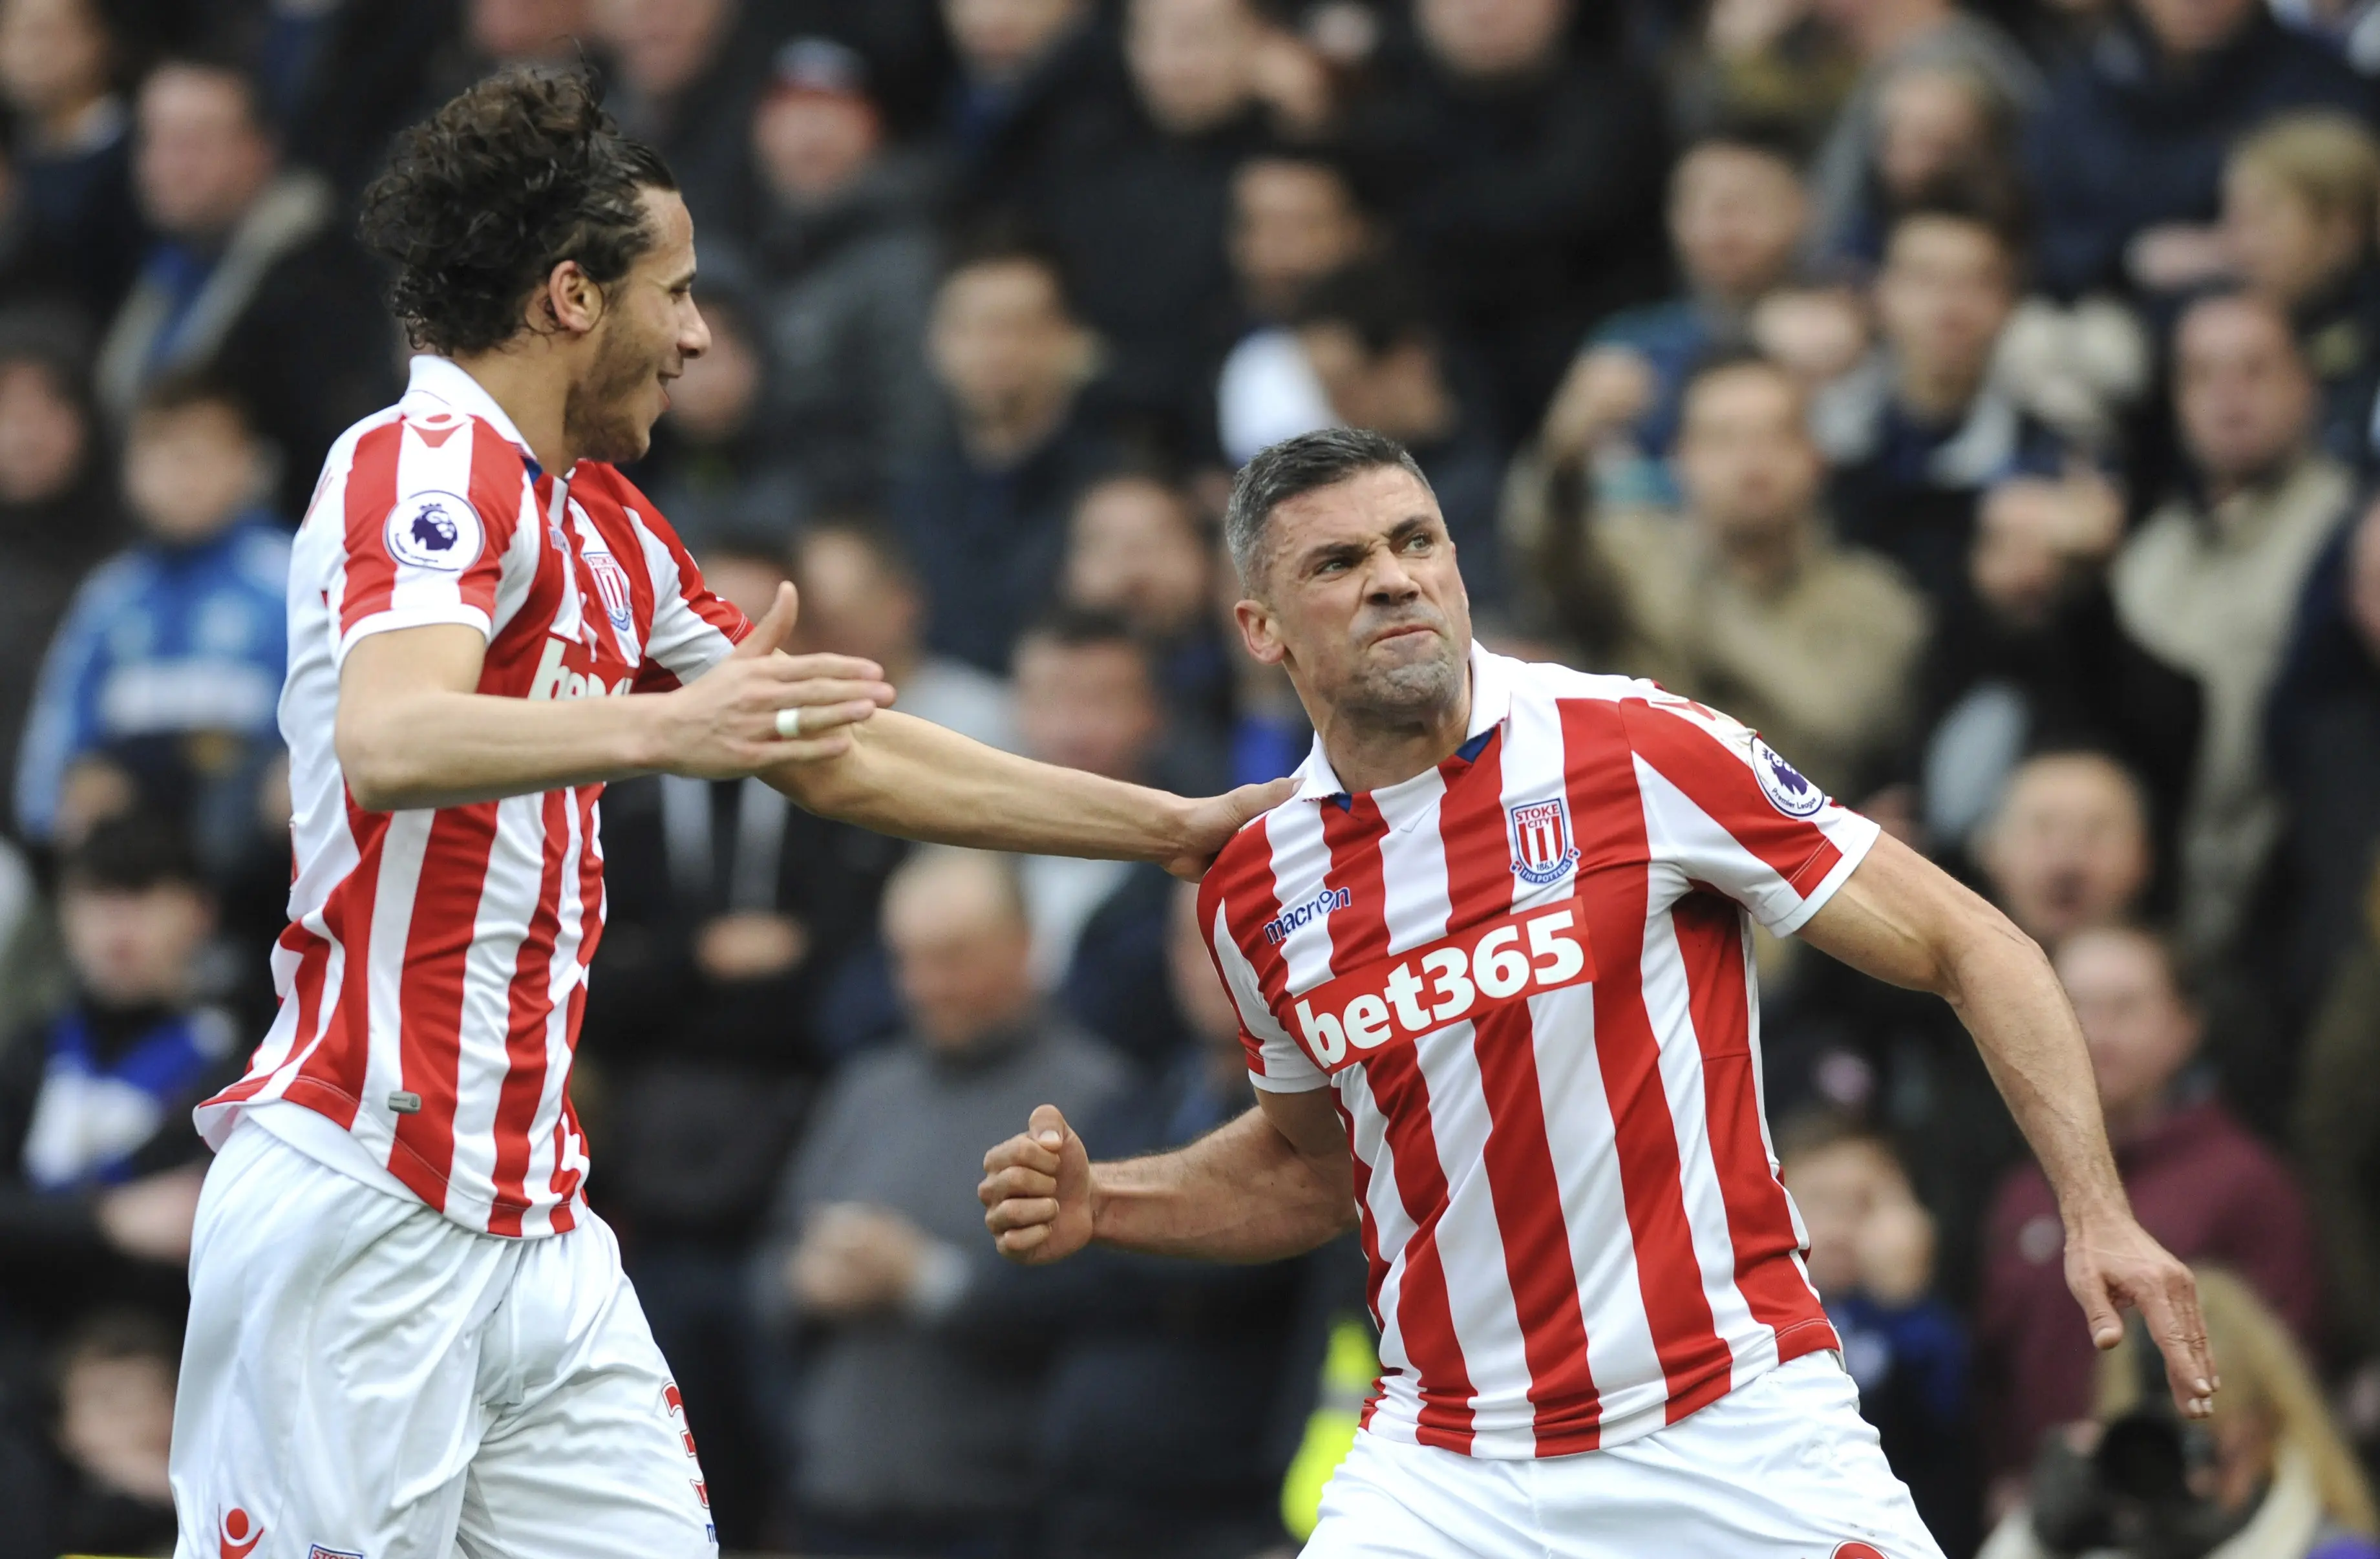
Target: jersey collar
x,y
446,381
1491,700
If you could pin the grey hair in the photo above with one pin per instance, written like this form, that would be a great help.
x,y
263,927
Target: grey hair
x,y
1296,465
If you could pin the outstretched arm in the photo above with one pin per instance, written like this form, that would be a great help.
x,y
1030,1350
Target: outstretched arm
x,y
1905,921
1272,1184
908,776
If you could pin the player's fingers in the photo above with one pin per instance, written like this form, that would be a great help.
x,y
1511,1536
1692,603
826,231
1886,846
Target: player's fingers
x,y
1023,1213
1016,1181
772,627
824,666
2170,1302
815,700
760,755
1024,1152
2099,1309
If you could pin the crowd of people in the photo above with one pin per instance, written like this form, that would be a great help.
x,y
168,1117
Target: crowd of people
x,y
1983,402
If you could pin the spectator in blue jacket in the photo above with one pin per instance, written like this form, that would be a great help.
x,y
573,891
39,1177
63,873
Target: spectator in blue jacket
x,y
2127,155
170,661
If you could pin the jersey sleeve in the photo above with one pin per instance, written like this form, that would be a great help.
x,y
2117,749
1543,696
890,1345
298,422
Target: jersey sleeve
x,y
1229,910
429,507
1724,810
693,628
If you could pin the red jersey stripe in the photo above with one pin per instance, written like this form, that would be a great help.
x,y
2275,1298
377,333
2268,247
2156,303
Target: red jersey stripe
x,y
1690,757
531,1006
1614,890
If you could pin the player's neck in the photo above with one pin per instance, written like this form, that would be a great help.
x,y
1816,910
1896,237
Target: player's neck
x,y
532,387
1371,750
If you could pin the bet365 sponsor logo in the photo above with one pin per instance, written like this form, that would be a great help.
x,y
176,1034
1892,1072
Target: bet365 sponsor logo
x,y
1472,972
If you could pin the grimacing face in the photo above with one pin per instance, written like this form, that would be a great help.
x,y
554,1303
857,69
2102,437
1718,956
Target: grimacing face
x,y
650,327
1357,595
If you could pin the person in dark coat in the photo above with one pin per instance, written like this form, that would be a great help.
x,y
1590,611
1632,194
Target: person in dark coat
x,y
1528,172
2125,157
983,510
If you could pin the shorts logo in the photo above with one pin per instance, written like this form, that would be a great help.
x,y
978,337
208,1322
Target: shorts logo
x,y
1277,929
1786,789
1541,847
612,584
436,531
675,1405
318,1552
1857,1551
238,1534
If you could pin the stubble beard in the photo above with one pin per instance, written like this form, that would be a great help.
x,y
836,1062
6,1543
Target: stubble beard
x,y
596,418
1413,693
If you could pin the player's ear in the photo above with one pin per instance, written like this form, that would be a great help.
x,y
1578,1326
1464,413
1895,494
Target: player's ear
x,y
571,303
1259,631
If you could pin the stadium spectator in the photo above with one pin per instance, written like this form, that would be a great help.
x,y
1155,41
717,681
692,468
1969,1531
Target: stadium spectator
x,y
1218,1346
684,77
2126,155
718,464
2067,847
741,939
98,1163
1738,218
1384,365
919,1377
860,596
1022,65
2337,1132
1137,548
58,508
2269,1474
1919,431
1937,126
2323,738
983,511
1893,38
842,255
1742,600
2211,580
171,657
1871,1255
114,1420
2208,1190
2300,204
1137,191
73,164
1086,698
251,277
1295,218
1529,172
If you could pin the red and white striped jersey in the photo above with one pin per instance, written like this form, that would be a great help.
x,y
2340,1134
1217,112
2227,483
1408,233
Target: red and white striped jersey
x,y
1528,974
435,969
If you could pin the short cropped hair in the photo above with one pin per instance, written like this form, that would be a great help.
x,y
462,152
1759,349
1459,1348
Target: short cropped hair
x,y
2326,157
1306,463
483,199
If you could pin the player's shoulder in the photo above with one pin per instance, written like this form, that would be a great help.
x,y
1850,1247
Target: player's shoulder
x,y
1241,867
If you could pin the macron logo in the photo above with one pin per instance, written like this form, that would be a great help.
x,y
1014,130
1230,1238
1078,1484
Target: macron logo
x,y
1277,929
554,680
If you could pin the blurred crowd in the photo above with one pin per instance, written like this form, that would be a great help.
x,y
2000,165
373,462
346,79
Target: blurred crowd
x,y
1982,401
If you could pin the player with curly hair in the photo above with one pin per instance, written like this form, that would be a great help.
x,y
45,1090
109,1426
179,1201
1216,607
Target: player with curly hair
x,y
408,1335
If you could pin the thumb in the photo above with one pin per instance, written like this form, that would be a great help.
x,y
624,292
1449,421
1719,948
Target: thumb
x,y
1253,800
770,632
2099,1311
1048,1126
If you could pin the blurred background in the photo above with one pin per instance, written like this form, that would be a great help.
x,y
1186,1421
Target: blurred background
x,y
1980,400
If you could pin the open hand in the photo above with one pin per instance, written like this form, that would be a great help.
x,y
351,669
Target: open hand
x,y
2111,1265
1036,1191
724,724
1213,820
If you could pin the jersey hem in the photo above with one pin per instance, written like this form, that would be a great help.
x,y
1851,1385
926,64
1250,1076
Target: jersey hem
x,y
1289,1085
1851,852
412,617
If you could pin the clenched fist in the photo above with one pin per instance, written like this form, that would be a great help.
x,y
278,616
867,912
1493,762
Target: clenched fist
x,y
1036,1191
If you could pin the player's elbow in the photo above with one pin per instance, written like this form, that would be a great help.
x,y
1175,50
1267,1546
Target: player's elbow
x,y
382,772
1979,948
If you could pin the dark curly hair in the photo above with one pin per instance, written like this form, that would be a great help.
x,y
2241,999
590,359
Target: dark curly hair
x,y
483,199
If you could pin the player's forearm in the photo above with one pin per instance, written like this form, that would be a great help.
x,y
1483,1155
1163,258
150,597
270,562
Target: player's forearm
x,y
908,776
435,747
2007,994
1242,1193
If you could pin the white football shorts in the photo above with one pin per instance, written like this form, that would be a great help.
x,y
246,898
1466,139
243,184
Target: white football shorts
x,y
363,1378
1783,1468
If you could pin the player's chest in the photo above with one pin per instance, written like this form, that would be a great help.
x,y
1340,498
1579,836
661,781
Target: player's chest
x,y
1437,910
585,607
